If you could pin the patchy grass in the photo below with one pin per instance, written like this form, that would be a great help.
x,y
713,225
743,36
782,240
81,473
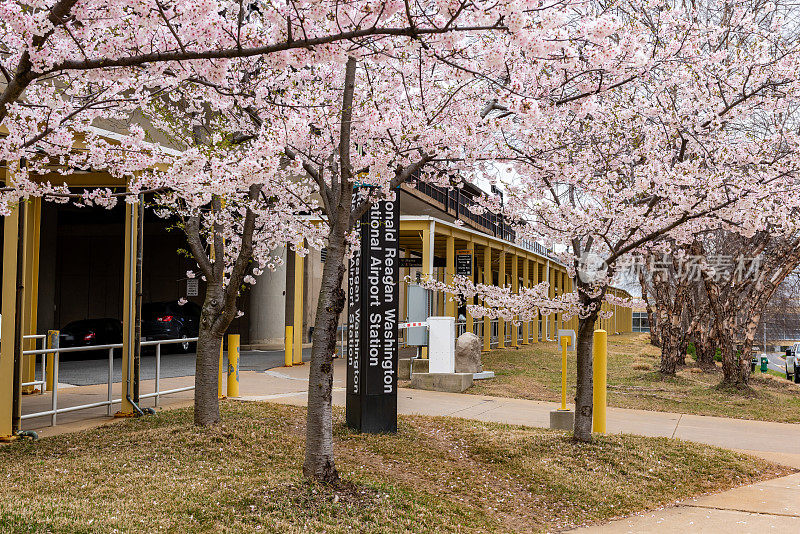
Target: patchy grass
x,y
436,475
534,372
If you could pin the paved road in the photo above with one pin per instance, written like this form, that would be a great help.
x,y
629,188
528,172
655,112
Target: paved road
x,y
89,372
776,362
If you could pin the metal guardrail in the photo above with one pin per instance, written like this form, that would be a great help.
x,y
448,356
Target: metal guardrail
x,y
110,400
41,383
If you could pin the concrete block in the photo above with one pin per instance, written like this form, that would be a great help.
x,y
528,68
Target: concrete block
x,y
562,419
404,367
483,375
447,382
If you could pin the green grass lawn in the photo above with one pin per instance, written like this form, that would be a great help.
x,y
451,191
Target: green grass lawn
x,y
534,372
160,473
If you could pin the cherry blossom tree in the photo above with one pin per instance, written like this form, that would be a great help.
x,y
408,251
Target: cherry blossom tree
x,y
67,66
283,76
666,153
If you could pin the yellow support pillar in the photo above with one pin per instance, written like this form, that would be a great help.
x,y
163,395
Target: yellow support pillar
x,y
560,323
233,365
221,371
535,325
599,372
526,282
428,235
11,224
471,248
33,213
501,281
450,308
404,286
487,280
128,301
299,275
52,341
564,342
287,350
514,327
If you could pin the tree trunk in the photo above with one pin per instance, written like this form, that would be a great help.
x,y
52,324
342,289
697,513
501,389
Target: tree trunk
x,y
651,317
206,376
683,348
672,337
706,351
731,366
591,300
319,460
668,356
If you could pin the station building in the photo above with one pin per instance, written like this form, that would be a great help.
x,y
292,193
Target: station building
x,y
63,262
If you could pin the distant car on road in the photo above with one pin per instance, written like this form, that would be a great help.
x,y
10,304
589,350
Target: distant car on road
x,y
171,320
791,366
91,332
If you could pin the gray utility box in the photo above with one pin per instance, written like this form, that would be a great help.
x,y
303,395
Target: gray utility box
x,y
418,301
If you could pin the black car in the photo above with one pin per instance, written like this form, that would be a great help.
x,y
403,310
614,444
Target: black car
x,y
171,320
91,332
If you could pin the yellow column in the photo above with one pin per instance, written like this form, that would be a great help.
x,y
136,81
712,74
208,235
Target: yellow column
x,y
534,281
564,342
471,248
33,214
52,341
487,280
501,281
404,300
526,282
560,292
287,351
233,365
551,292
450,309
299,273
427,262
221,371
427,251
515,288
128,301
599,372
10,240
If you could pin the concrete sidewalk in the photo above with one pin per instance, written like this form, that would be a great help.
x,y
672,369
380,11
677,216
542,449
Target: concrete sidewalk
x,y
771,440
772,506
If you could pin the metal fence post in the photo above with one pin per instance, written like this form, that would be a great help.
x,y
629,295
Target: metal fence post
x,y
54,365
158,373
110,380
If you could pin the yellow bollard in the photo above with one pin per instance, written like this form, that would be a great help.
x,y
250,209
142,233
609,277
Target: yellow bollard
x,y
564,342
599,375
52,342
287,352
233,365
220,391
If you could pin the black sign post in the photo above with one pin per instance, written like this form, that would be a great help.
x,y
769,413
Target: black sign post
x,y
372,340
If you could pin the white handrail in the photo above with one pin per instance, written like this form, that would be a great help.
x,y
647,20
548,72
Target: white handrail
x,y
110,400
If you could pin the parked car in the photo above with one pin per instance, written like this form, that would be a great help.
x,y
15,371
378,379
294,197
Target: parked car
x,y
91,332
791,363
171,320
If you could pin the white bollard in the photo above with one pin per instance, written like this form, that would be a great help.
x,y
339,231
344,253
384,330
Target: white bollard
x,y
441,344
